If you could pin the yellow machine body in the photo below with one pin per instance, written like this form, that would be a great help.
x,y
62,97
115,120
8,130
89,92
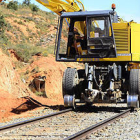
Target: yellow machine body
x,y
127,39
135,42
116,45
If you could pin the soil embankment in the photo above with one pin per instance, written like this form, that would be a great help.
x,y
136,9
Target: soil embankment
x,y
14,93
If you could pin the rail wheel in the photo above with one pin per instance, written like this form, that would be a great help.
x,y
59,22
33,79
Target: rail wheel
x,y
133,99
69,86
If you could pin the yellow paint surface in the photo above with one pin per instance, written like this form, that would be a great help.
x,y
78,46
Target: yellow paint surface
x,y
135,41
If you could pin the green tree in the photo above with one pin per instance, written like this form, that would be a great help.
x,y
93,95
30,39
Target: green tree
x,y
13,5
34,8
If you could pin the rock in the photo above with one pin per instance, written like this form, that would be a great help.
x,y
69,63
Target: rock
x,y
49,39
55,27
38,54
52,36
37,19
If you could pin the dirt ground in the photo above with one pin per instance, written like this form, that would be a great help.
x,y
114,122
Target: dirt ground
x,y
16,97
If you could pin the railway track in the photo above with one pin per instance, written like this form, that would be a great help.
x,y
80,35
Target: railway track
x,y
33,120
60,125
84,133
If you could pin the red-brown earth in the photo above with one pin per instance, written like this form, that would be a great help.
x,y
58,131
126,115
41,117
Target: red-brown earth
x,y
14,94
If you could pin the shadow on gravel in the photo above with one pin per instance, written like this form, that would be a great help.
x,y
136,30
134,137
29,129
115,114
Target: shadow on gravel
x,y
95,109
31,104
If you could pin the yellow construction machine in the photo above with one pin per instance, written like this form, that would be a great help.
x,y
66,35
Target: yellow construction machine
x,y
107,46
110,51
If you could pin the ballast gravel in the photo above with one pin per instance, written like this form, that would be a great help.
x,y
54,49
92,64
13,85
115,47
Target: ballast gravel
x,y
62,126
127,128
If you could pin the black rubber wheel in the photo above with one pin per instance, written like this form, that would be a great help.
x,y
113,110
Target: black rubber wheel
x,y
70,82
134,74
134,83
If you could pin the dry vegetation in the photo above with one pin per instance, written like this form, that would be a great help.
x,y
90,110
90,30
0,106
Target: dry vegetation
x,y
26,31
28,37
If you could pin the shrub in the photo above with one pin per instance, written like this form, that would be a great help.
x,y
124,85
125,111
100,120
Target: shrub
x,y
34,8
40,94
18,64
20,22
2,22
25,51
4,38
12,5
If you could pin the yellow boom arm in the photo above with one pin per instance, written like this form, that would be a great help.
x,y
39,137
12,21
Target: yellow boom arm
x,y
59,6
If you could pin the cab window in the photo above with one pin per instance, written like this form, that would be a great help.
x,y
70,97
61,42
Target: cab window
x,y
98,27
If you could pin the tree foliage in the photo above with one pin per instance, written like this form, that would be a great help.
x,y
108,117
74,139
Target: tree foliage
x,y
13,5
34,8
2,23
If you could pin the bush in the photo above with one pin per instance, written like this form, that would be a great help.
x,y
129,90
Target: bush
x,y
25,51
34,8
3,25
2,22
12,5
40,94
4,38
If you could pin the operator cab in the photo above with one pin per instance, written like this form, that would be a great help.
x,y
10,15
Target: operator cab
x,y
86,35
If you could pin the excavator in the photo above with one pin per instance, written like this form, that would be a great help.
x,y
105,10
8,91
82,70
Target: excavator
x,y
107,46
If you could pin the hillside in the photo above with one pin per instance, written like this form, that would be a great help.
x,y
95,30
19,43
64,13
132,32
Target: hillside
x,y
25,29
27,42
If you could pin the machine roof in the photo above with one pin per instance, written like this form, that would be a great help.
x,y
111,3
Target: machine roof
x,y
86,13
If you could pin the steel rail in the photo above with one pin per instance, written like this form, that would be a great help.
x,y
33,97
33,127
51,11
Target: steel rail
x,y
33,120
85,132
